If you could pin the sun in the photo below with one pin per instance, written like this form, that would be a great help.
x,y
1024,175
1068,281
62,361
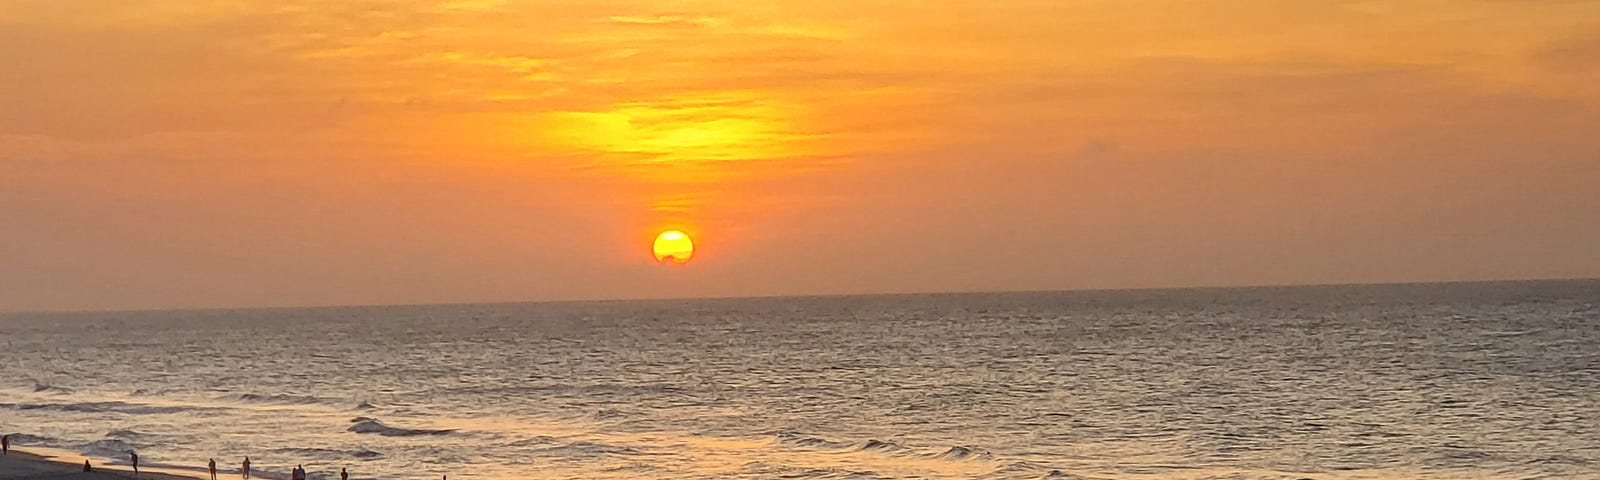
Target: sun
x,y
673,248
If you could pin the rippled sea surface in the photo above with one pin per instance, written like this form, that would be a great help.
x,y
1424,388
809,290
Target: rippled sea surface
x,y
1450,381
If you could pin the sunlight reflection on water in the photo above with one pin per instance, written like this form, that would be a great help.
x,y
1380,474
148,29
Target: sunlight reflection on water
x,y
1425,381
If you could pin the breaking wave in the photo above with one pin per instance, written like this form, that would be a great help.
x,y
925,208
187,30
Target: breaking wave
x,y
879,446
40,387
107,448
128,435
372,425
963,453
798,440
26,439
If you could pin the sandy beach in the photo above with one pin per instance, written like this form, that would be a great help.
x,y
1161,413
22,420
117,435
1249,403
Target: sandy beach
x,y
29,466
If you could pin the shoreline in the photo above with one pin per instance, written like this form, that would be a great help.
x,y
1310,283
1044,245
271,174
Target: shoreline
x,y
35,463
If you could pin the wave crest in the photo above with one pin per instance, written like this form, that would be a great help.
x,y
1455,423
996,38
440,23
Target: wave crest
x,y
963,453
798,440
880,446
108,448
372,425
26,439
41,387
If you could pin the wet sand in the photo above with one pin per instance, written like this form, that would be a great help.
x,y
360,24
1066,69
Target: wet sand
x,y
27,466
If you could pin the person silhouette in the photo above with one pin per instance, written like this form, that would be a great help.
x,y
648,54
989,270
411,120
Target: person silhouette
x,y
5,444
135,458
343,474
212,465
86,466
246,469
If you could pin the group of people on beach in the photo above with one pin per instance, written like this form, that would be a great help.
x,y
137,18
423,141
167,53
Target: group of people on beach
x,y
299,472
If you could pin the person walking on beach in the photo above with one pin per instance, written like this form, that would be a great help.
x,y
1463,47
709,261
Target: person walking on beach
x,y
135,458
246,469
212,464
343,474
86,466
5,444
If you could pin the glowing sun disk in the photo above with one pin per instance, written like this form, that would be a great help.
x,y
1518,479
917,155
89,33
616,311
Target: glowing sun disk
x,y
673,247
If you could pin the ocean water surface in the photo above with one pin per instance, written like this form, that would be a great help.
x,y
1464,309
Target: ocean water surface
x,y
1439,381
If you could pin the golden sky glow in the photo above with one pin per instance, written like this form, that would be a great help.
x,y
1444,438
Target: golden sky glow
x,y
307,152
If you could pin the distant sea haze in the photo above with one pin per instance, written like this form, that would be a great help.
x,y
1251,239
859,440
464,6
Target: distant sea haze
x,y
1428,381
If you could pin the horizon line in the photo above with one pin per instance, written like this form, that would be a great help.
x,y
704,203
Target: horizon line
x,y
802,295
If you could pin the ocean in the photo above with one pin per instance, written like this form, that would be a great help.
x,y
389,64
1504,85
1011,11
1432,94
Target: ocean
x,y
1422,381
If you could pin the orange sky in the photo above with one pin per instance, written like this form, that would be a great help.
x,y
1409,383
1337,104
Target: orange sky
x,y
167,153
